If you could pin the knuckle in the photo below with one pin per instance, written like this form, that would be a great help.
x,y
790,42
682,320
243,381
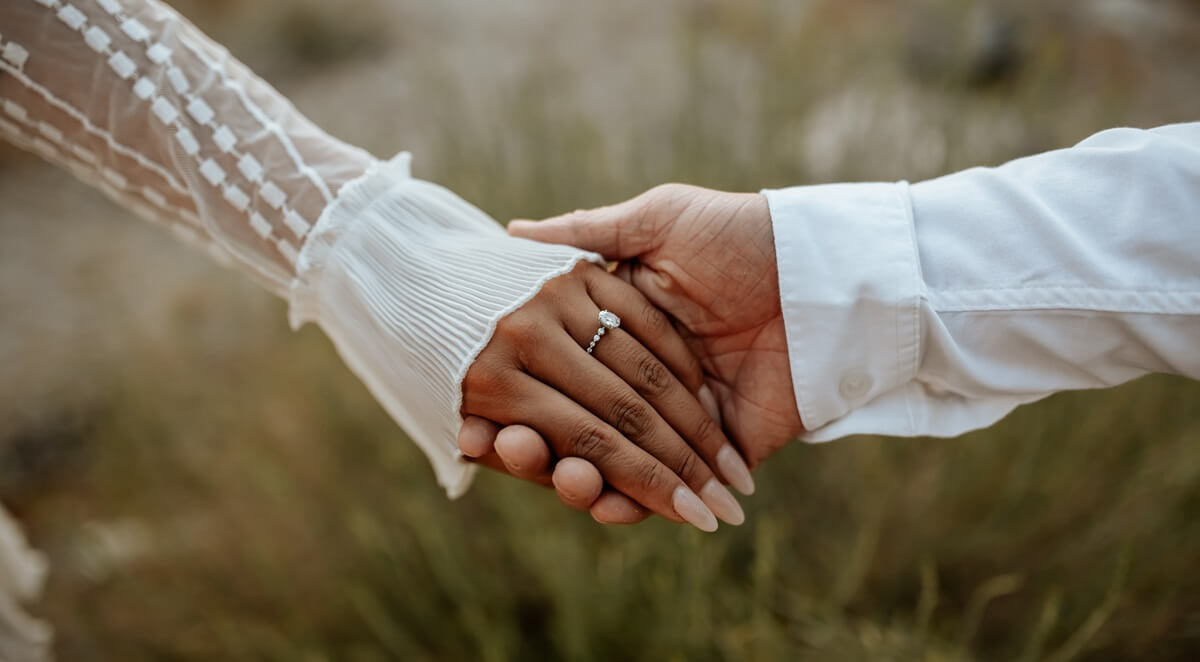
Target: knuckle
x,y
518,328
531,348
556,284
582,220
653,376
693,372
631,418
706,428
648,478
668,190
579,217
590,442
481,376
687,465
508,326
484,382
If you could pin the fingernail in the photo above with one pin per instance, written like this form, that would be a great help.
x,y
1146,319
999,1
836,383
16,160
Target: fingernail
x,y
734,469
692,509
722,503
709,402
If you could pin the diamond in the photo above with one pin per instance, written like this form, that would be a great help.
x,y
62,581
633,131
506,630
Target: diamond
x,y
609,320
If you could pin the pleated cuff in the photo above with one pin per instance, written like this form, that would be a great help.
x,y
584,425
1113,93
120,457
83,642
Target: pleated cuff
x,y
409,281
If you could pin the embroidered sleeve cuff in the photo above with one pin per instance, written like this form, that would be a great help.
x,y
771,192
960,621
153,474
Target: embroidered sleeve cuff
x,y
850,283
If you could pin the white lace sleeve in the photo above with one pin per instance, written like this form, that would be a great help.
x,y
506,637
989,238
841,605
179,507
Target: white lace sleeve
x,y
407,279
137,102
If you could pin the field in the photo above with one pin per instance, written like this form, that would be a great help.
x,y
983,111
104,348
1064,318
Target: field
x,y
210,485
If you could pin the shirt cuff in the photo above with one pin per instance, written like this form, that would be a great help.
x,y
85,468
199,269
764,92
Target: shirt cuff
x,y
850,288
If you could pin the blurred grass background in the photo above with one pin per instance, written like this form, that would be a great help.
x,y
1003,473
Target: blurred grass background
x,y
209,485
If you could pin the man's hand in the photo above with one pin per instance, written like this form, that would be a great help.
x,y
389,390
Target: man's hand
x,y
706,258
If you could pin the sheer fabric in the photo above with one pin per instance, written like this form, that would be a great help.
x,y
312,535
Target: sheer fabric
x,y
407,279
139,103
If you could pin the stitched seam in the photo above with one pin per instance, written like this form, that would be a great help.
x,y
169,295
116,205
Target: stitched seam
x,y
292,219
1086,288
914,310
1072,309
799,383
118,147
230,192
259,115
72,153
60,150
1171,303
126,196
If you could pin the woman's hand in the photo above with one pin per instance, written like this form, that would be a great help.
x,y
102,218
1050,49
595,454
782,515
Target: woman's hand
x,y
520,452
628,409
707,259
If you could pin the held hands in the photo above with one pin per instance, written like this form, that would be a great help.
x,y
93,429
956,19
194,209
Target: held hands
x,y
706,258
627,410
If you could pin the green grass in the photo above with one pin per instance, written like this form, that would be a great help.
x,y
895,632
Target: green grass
x,y
251,502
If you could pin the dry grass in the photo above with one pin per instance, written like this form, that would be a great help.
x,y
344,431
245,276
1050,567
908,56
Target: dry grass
x,y
212,486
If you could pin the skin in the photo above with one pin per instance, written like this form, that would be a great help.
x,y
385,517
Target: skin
x,y
628,411
707,259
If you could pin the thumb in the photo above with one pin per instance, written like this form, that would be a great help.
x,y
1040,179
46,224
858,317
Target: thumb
x,y
617,232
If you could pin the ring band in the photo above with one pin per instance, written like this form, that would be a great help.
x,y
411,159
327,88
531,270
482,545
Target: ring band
x,y
607,321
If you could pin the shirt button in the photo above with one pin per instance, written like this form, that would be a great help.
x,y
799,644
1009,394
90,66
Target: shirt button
x,y
855,384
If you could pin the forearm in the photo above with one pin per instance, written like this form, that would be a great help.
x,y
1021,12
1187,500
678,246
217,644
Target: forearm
x,y
938,308
407,279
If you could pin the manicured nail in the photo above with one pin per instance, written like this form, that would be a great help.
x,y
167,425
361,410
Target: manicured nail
x,y
722,503
693,511
709,402
734,469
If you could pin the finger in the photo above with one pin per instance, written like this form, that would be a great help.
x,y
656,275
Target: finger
x,y
630,352
624,271
575,432
523,451
562,364
577,482
616,232
476,436
490,460
611,507
615,508
646,322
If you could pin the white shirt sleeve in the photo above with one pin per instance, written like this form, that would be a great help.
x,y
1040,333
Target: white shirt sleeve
x,y
406,278
938,308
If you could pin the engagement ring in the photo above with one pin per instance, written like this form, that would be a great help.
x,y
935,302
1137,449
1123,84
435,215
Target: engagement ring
x,y
607,321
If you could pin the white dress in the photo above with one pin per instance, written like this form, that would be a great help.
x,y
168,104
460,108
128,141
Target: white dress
x,y
405,277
